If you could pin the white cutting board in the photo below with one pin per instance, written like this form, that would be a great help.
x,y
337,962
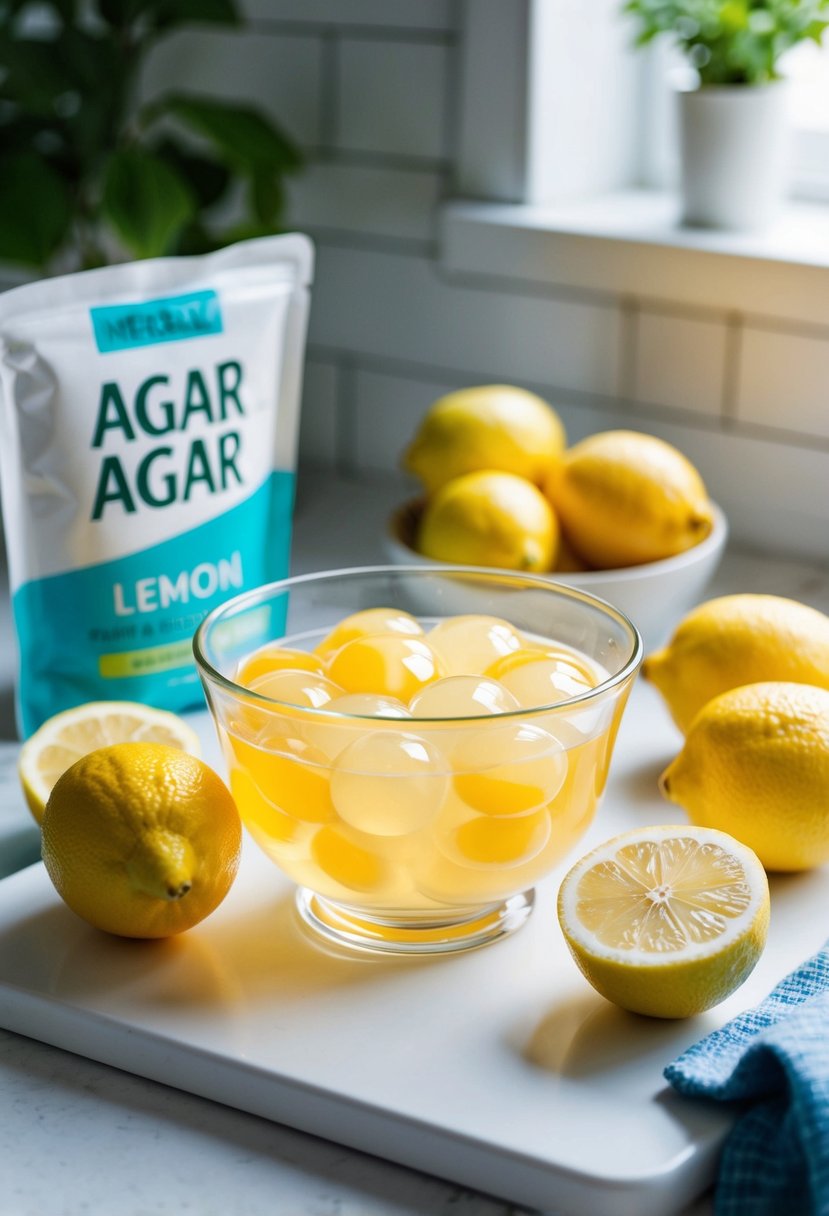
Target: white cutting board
x,y
500,1069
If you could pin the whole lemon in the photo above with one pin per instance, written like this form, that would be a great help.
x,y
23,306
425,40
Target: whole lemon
x,y
623,498
489,519
734,640
141,839
756,765
495,426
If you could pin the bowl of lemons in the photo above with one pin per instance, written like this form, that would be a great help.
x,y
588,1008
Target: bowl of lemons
x,y
621,514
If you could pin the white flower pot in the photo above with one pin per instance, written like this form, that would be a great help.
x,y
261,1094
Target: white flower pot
x,y
734,144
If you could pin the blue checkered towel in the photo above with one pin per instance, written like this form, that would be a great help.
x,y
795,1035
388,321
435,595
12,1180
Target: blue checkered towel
x,y
775,1058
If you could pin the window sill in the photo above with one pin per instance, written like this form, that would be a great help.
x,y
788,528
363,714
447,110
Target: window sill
x,y
630,244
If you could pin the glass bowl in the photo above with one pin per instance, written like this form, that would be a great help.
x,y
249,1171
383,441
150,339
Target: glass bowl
x,y
418,834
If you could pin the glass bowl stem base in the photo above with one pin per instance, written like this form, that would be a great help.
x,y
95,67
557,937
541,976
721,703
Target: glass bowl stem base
x,y
443,932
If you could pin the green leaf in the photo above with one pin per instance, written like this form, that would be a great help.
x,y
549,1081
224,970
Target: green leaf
x,y
146,202
103,87
165,14
195,239
267,198
34,73
241,134
208,179
121,13
815,31
35,209
179,12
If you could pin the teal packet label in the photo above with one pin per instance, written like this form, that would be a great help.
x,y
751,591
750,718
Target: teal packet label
x,y
148,428
171,319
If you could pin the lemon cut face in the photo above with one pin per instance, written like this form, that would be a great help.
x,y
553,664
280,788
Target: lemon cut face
x,y
66,737
666,921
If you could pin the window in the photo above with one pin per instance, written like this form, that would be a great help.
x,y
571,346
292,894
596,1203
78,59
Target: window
x,y
807,71
556,103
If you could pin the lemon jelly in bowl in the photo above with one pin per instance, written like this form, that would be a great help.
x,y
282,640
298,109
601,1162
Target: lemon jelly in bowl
x,y
417,747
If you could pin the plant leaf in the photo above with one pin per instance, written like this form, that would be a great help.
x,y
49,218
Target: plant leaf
x,y
146,201
267,198
241,134
34,73
35,209
207,178
179,12
164,14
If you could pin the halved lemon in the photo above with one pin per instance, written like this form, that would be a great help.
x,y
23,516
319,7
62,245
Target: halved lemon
x,y
68,736
666,921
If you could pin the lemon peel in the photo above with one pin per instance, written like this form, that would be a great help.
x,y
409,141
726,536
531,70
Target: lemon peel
x,y
490,519
141,839
495,426
756,764
625,498
734,640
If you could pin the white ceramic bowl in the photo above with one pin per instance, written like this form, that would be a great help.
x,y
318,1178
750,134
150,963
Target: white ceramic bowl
x,y
655,596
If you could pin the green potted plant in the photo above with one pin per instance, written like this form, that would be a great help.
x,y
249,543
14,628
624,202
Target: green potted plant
x,y
733,124
88,174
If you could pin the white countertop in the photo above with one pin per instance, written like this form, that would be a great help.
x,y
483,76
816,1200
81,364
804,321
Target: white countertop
x,y
79,1136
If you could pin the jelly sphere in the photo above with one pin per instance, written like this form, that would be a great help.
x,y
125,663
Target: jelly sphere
x,y
389,783
281,836
363,624
387,664
545,682
483,840
508,769
469,645
350,864
306,689
333,734
275,658
291,774
462,697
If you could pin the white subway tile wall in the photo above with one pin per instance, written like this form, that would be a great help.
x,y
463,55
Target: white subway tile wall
x,y
318,432
680,362
784,381
387,410
369,87
389,304
392,97
358,199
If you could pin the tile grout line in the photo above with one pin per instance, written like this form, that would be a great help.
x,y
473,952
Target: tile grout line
x,y
731,371
364,159
403,246
329,88
525,288
425,36
451,96
629,348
